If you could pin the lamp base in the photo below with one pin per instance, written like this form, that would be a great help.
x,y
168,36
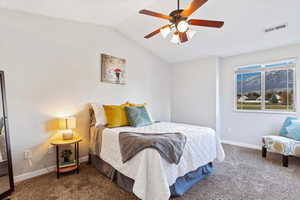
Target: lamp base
x,y
68,136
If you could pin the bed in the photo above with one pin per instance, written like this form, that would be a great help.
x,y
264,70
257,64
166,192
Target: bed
x,y
148,175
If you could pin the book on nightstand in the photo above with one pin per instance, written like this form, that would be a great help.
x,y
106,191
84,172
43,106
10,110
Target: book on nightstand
x,y
67,166
70,164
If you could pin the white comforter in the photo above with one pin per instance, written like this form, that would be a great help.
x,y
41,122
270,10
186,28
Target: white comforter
x,y
152,174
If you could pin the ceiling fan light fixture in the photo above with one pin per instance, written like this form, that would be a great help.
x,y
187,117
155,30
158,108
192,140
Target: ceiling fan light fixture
x,y
179,22
190,33
165,31
182,26
175,38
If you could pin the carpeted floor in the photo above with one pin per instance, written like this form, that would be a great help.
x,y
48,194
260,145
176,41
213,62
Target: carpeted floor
x,y
243,176
4,183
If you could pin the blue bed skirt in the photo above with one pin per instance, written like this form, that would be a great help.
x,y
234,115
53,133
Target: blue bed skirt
x,y
186,182
182,184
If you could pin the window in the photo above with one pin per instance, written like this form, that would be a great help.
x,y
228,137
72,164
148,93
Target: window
x,y
266,87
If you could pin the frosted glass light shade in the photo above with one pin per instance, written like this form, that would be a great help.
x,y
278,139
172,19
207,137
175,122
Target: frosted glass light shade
x,y
182,26
165,31
175,39
190,33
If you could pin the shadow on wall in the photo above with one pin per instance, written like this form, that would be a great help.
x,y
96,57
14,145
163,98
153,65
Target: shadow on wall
x,y
42,157
82,127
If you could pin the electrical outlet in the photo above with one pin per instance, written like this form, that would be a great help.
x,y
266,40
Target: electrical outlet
x,y
50,149
27,154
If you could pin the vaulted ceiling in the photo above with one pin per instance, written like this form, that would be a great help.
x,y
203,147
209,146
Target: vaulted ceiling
x,y
245,21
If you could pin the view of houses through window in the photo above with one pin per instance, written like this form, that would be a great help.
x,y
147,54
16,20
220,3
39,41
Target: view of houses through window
x,y
266,87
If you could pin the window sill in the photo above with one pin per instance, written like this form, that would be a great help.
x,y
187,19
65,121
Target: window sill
x,y
267,112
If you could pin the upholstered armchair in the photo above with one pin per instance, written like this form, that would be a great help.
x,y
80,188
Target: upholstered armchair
x,y
282,145
287,143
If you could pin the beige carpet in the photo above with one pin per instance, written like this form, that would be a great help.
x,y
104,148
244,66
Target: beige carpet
x,y
243,176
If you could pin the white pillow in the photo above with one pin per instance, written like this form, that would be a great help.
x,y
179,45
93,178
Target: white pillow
x,y
99,114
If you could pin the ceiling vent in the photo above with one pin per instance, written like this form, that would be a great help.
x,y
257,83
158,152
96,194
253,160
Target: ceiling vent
x,y
276,28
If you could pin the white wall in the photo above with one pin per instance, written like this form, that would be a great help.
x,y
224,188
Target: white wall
x,y
203,94
52,69
194,92
249,127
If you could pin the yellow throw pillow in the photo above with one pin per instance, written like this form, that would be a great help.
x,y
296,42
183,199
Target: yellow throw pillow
x,y
116,115
134,104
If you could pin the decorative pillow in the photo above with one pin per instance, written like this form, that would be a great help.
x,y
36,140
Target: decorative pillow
x,y
294,130
283,131
138,116
116,115
99,114
144,104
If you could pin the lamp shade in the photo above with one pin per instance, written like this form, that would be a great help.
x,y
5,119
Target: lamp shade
x,y
67,123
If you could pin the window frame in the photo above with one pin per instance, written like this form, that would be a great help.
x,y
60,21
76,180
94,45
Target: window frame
x,y
263,70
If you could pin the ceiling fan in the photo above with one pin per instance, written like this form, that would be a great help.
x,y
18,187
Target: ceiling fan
x,y
179,22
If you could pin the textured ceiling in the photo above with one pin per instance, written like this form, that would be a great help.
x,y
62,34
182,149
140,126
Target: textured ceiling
x,y
243,32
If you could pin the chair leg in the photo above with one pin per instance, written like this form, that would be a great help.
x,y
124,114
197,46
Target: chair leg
x,y
285,161
264,152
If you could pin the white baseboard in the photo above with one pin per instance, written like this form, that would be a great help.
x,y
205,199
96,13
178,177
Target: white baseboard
x,y
49,169
241,144
39,172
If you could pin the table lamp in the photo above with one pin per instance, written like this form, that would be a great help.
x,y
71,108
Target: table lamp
x,y
66,125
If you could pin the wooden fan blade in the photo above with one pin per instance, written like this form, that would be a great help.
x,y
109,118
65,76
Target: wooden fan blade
x,y
155,14
155,32
192,7
208,23
183,37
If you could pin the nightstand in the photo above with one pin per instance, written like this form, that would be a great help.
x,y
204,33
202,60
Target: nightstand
x,y
62,169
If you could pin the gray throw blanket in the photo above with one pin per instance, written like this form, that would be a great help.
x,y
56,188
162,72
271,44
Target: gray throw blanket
x,y
169,145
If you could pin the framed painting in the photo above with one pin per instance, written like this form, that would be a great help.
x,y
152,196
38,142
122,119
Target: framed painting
x,y
113,69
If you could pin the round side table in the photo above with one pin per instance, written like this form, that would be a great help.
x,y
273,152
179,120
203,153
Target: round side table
x,y
72,167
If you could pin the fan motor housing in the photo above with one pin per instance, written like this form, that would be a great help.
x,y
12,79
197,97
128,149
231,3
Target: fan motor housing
x,y
176,17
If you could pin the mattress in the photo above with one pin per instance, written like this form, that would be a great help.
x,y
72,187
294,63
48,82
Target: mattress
x,y
153,175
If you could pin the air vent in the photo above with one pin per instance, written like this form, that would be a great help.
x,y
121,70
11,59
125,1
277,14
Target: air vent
x,y
276,28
